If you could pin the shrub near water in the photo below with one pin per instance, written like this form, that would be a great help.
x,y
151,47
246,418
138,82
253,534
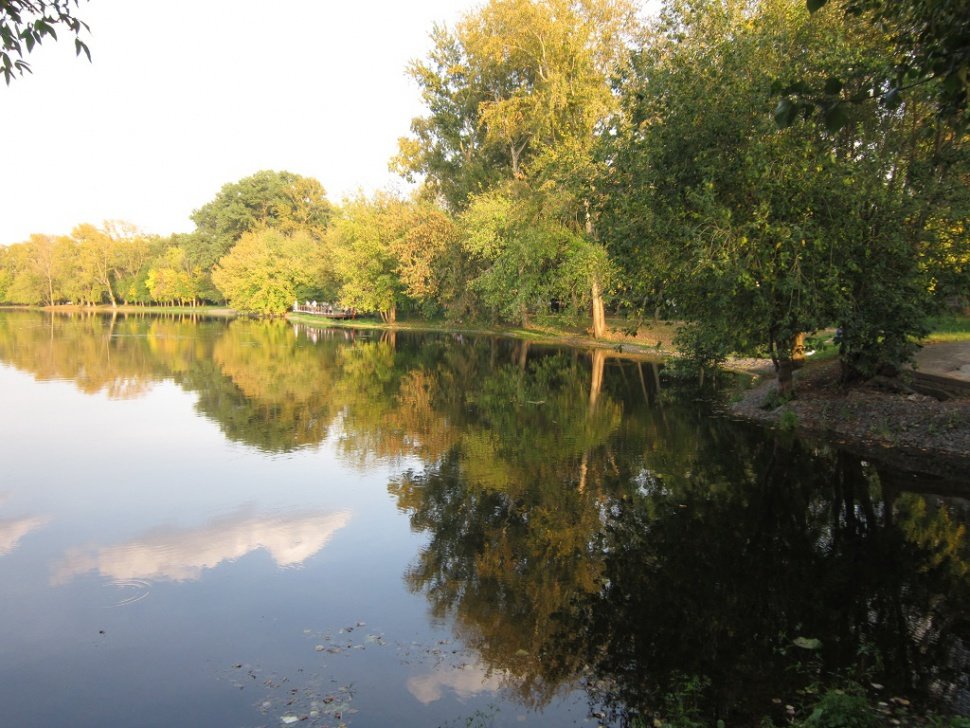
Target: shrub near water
x,y
839,709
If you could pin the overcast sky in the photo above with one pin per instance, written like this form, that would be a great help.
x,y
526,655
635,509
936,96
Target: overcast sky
x,y
186,95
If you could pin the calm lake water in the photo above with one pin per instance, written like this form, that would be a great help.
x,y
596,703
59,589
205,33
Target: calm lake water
x,y
249,523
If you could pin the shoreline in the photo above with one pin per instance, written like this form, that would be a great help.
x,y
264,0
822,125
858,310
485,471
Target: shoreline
x,y
903,428
911,430
620,346
887,425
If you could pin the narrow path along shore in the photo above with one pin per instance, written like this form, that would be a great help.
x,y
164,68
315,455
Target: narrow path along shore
x,y
948,359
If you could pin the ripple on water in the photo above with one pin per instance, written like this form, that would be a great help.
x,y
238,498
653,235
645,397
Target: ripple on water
x,y
136,590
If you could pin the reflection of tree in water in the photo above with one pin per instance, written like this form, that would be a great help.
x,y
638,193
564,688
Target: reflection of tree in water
x,y
585,523
513,506
267,386
699,549
718,583
259,382
98,353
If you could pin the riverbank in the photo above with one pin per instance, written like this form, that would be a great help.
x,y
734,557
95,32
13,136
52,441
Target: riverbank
x,y
221,311
907,427
867,417
873,418
651,343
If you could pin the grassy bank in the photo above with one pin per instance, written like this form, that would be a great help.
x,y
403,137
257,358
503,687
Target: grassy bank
x,y
655,338
949,328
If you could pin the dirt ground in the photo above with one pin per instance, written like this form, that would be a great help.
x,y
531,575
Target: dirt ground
x,y
874,415
951,360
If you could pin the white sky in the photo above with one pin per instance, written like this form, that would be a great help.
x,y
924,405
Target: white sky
x,y
184,96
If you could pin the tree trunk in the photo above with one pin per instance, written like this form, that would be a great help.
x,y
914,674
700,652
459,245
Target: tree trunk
x,y
392,314
599,312
798,351
784,367
643,384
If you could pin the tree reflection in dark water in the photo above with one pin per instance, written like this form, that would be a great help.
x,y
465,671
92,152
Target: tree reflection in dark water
x,y
670,548
588,523
723,583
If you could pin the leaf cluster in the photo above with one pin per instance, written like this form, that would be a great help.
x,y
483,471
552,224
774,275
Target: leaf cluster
x,y
24,24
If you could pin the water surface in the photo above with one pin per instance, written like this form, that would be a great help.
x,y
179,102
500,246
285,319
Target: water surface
x,y
248,523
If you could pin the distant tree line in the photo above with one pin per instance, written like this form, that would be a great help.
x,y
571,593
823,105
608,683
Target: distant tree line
x,y
749,168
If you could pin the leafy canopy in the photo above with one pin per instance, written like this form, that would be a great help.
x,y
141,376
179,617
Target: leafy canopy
x,y
268,269
930,47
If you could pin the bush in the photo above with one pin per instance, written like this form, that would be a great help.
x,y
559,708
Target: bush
x,y
839,709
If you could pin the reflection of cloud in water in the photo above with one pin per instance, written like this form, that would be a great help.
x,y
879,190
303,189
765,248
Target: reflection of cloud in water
x,y
183,554
466,681
12,530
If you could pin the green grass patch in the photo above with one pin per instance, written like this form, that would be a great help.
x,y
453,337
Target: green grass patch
x,y
952,327
821,346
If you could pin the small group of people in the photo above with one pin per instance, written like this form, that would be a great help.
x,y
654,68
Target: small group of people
x,y
313,307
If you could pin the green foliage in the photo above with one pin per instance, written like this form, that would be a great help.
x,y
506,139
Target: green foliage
x,y
929,47
949,328
172,278
280,200
6,275
841,709
387,250
755,236
511,81
525,257
788,420
24,24
701,347
682,704
268,269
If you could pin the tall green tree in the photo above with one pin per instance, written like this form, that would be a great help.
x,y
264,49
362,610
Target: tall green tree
x,y
525,255
930,52
38,269
103,259
268,269
513,79
387,250
6,274
173,278
267,199
515,84
752,236
280,200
